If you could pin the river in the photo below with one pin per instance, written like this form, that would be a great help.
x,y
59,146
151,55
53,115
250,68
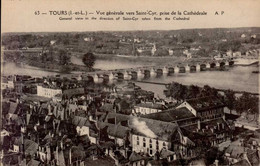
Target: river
x,y
237,77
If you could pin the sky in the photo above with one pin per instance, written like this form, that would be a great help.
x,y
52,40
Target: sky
x,y
19,15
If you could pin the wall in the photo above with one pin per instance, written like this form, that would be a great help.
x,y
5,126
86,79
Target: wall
x,y
140,147
189,107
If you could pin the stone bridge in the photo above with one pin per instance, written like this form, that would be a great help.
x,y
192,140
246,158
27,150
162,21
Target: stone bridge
x,y
150,71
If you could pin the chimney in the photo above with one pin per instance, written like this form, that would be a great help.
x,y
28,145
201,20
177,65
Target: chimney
x,y
216,162
70,156
212,130
61,145
218,126
223,116
199,125
57,155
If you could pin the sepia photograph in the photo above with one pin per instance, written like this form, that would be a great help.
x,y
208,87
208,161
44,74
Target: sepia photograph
x,y
130,83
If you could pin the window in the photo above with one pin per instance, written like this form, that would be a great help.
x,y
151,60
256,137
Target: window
x,y
151,152
144,142
151,145
137,142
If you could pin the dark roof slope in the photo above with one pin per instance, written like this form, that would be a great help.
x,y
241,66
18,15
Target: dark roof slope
x,y
206,103
161,130
171,115
117,131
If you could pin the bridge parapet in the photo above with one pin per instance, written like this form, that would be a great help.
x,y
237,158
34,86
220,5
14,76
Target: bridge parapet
x,y
187,68
176,69
165,70
197,67
140,73
207,65
227,63
152,72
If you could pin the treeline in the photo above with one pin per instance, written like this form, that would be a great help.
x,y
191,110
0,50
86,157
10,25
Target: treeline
x,y
109,42
245,103
182,92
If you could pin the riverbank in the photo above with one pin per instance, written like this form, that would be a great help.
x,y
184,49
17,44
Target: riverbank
x,y
221,90
152,60
245,62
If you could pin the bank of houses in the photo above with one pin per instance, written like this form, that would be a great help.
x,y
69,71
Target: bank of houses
x,y
79,125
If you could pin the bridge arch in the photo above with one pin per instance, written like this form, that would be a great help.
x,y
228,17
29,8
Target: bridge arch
x,y
222,64
212,65
231,63
105,77
182,69
120,75
90,78
146,73
134,75
170,70
159,71
203,67
193,68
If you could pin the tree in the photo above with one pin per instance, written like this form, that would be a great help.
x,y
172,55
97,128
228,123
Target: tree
x,y
242,104
177,91
89,59
193,91
230,99
64,57
208,91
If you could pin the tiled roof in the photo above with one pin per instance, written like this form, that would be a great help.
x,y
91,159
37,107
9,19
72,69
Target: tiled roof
x,y
135,157
254,158
107,144
81,121
242,162
117,131
107,107
33,162
205,103
235,150
151,105
13,108
170,115
162,130
165,153
30,147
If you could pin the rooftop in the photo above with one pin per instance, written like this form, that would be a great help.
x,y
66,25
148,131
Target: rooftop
x,y
146,127
171,115
152,105
205,103
118,131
